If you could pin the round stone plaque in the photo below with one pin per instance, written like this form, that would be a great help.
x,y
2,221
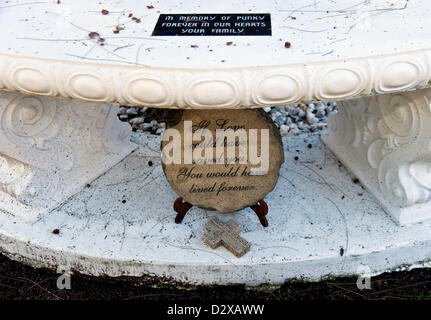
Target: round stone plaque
x,y
222,160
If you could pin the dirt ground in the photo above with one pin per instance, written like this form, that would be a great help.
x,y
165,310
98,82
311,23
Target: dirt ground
x,y
21,282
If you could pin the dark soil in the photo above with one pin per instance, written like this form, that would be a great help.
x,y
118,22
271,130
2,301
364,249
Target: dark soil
x,y
21,282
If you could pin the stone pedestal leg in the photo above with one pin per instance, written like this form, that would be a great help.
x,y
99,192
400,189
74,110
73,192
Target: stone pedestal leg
x,y
385,141
51,148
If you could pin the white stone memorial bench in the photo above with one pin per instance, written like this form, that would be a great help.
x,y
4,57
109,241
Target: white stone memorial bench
x,y
66,66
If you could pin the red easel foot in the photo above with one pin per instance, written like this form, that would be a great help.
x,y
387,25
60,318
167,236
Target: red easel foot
x,y
181,208
261,209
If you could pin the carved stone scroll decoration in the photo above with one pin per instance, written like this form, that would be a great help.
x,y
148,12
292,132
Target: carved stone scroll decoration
x,y
51,148
386,142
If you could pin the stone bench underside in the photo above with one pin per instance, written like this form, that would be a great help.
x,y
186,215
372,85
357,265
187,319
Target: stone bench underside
x,y
51,148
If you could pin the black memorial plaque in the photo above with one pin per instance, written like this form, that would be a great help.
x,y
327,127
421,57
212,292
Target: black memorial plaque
x,y
226,24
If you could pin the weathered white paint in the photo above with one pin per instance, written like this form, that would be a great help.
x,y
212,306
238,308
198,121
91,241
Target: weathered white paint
x,y
338,52
313,213
339,49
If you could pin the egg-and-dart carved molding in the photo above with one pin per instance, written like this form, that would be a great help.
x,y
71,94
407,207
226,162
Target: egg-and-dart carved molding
x,y
216,88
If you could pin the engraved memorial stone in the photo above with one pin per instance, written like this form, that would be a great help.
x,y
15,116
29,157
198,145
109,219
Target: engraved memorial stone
x,y
222,160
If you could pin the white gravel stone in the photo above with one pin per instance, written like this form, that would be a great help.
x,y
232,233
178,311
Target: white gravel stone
x,y
311,118
137,120
132,111
320,113
146,125
122,110
284,130
304,117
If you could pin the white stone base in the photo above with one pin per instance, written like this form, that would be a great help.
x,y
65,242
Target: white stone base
x,y
51,148
314,211
385,141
